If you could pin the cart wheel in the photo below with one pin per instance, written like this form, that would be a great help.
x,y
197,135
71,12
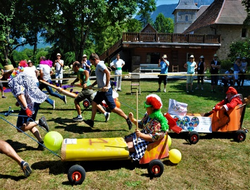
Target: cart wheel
x,y
76,174
193,137
86,103
155,168
240,136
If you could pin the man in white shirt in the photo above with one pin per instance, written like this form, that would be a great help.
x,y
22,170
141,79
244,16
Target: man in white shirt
x,y
59,68
117,64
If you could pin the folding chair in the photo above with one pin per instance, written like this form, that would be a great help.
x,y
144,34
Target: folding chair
x,y
135,83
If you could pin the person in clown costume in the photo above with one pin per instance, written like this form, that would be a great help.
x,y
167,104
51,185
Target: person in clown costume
x,y
154,126
230,102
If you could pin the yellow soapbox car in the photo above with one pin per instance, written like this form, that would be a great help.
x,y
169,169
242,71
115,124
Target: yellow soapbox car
x,y
101,149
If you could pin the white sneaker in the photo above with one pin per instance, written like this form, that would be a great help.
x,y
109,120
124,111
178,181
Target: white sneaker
x,y
78,118
201,88
107,116
196,88
54,104
164,90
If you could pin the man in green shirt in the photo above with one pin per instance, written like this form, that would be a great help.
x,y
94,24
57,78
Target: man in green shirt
x,y
83,77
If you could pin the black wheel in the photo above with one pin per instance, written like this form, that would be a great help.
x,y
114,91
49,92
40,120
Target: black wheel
x,y
193,137
76,174
155,168
240,136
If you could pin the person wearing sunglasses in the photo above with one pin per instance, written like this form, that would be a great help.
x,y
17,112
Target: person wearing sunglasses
x,y
153,127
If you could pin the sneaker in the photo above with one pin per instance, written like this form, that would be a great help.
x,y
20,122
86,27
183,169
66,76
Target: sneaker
x,y
197,88
107,116
43,123
89,122
40,146
187,91
78,118
164,90
54,104
119,90
158,90
3,96
65,99
26,168
201,88
192,90
129,124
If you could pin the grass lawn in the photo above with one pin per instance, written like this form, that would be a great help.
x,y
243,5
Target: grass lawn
x,y
212,163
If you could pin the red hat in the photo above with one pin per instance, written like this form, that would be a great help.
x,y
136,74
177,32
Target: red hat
x,y
232,90
154,100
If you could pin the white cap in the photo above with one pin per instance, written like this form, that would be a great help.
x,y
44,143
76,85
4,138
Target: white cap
x,y
58,54
201,57
164,56
191,56
84,55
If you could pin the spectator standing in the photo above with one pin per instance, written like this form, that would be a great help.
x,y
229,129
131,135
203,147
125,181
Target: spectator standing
x,y
201,68
1,85
103,82
164,64
243,70
190,66
45,74
86,65
237,65
214,70
117,64
228,79
59,63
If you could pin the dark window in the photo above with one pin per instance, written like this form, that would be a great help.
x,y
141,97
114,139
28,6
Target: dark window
x,y
153,58
244,33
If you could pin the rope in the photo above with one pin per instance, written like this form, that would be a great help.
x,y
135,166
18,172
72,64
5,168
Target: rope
x,y
7,114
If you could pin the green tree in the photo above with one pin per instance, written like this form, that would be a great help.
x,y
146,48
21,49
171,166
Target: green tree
x,y
71,24
240,48
163,24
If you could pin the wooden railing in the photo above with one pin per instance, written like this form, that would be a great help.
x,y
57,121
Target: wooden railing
x,y
161,37
111,50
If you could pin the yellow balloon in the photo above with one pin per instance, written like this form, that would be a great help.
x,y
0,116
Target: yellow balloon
x,y
174,156
53,140
169,141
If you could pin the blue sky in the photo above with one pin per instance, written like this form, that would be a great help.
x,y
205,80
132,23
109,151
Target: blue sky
x,y
162,2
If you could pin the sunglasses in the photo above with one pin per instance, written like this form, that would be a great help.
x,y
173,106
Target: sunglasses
x,y
146,105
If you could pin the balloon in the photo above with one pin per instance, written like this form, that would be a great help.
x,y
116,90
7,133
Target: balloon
x,y
53,140
169,141
174,156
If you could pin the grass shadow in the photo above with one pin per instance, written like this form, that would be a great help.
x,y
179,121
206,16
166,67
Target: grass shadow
x,y
15,178
19,147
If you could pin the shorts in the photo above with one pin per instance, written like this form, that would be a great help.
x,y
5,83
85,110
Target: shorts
x,y
85,93
190,79
23,118
163,78
236,75
107,96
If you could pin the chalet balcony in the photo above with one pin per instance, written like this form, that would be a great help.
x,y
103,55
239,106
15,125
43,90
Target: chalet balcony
x,y
176,38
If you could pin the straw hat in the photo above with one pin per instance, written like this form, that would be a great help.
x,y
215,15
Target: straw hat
x,y
8,68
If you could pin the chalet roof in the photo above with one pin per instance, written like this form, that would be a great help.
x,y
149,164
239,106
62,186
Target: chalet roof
x,y
149,28
186,5
230,12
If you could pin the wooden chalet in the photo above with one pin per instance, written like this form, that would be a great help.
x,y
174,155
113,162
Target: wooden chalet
x,y
148,46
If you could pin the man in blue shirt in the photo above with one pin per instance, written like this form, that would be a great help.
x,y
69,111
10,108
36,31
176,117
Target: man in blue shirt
x,y
164,64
